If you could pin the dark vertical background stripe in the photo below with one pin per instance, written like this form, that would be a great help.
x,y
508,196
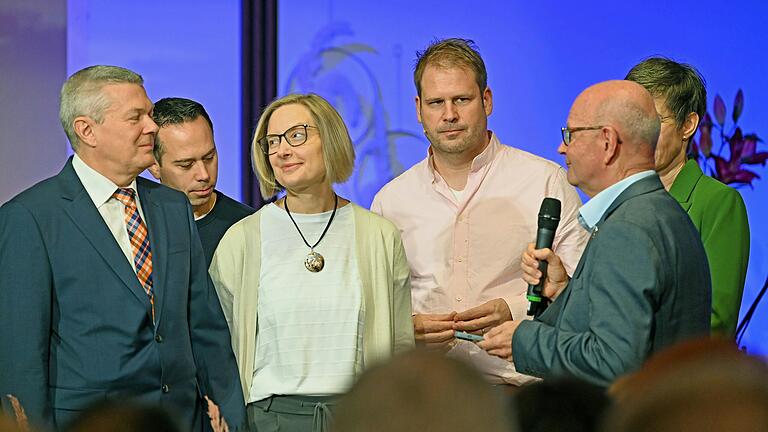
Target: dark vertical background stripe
x,y
259,23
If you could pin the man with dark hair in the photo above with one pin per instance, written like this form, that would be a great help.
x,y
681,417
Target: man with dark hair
x,y
717,211
186,160
643,281
104,292
467,211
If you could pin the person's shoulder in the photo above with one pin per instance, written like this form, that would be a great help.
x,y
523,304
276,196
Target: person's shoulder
x,y
40,196
232,206
712,199
160,193
373,220
647,194
650,205
527,159
715,189
406,180
38,193
250,222
641,208
243,231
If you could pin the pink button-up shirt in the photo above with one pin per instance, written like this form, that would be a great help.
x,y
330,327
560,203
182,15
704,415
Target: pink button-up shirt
x,y
463,253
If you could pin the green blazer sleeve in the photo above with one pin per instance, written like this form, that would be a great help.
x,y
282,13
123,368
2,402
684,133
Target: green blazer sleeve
x,y
719,214
725,233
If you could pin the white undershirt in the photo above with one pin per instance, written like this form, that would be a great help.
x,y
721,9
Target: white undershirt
x,y
100,189
213,197
310,325
458,195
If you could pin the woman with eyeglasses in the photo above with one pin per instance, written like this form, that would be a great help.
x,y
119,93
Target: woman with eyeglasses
x,y
315,288
717,211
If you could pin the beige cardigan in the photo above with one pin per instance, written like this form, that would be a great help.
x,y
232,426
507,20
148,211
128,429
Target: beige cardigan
x,y
388,328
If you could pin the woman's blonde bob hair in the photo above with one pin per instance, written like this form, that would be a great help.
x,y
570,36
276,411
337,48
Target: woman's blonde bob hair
x,y
338,152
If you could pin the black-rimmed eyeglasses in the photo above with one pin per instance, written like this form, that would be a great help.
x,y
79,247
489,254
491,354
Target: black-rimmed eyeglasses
x,y
566,132
295,136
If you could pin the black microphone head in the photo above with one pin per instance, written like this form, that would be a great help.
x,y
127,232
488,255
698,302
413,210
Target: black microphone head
x,y
549,213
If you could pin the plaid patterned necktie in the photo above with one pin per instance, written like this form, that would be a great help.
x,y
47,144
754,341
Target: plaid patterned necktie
x,y
139,237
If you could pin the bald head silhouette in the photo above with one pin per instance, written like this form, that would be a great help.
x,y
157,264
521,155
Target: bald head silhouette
x,y
624,128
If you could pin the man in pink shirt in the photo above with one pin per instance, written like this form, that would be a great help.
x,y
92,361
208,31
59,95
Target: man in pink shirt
x,y
469,209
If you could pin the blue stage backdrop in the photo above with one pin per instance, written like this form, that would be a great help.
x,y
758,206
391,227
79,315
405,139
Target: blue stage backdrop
x,y
360,56
184,48
539,55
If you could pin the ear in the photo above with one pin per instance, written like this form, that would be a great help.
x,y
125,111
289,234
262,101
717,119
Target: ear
x,y
488,101
689,126
84,129
154,169
417,100
610,145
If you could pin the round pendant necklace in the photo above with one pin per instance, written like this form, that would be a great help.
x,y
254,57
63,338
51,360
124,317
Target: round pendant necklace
x,y
314,262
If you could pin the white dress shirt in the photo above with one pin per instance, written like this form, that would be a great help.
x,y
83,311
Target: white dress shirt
x,y
100,189
464,248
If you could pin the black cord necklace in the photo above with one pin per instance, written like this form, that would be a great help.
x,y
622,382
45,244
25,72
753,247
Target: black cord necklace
x,y
314,262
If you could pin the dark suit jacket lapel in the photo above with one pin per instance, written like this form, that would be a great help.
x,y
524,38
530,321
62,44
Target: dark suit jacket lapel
x,y
644,186
158,241
584,254
648,184
79,207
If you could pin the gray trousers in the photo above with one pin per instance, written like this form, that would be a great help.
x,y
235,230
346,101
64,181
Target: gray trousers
x,y
291,414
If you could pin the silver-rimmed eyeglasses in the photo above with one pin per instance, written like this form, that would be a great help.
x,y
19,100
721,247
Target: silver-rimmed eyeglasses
x,y
295,136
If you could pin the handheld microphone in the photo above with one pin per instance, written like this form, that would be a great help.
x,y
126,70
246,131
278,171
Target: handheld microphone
x,y
549,217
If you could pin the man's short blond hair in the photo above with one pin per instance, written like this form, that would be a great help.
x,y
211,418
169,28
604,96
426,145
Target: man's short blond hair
x,y
451,53
337,148
81,95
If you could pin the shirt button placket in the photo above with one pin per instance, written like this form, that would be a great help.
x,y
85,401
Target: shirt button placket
x,y
460,248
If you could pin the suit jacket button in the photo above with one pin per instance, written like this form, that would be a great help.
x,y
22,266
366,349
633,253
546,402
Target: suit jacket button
x,y
165,388
158,338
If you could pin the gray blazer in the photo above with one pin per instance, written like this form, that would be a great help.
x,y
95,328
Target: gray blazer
x,y
76,321
641,285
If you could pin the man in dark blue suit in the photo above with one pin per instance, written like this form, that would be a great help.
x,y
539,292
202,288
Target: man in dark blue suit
x,y
104,292
643,282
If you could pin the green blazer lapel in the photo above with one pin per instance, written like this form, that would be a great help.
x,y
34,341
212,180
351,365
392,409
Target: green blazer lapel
x,y
78,206
683,186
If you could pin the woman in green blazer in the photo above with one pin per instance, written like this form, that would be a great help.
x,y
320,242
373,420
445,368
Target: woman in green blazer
x,y
717,210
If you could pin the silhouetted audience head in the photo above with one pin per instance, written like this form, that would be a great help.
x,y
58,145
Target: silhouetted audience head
x,y
124,417
422,391
671,360
561,404
696,386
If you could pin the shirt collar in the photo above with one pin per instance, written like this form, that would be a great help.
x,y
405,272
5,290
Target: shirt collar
x,y
480,161
99,188
591,212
